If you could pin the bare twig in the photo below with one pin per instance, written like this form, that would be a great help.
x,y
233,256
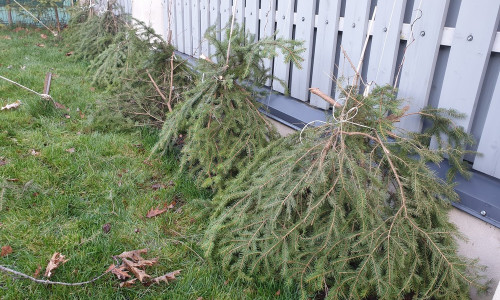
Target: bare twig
x,y
325,97
159,91
231,32
48,282
169,103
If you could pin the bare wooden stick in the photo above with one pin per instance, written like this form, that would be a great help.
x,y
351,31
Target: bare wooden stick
x,y
159,92
325,97
46,85
169,103
231,32
48,282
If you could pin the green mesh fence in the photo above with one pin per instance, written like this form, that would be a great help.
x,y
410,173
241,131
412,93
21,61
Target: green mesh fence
x,y
12,14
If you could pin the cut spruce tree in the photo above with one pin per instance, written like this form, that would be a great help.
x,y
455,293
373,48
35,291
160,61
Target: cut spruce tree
x,y
350,208
127,57
220,124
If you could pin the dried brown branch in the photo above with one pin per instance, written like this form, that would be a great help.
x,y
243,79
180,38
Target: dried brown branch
x,y
48,282
325,97
167,102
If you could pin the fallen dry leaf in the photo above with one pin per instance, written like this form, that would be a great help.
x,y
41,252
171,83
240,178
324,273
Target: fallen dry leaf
x,y
37,271
56,260
67,116
70,150
70,53
12,105
167,277
34,152
6,250
82,115
135,269
59,105
128,283
106,227
6,37
153,212
13,179
18,29
92,89
278,293
135,263
40,45
43,36
120,272
3,162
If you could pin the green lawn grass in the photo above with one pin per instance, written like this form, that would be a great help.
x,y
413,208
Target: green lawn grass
x,y
58,201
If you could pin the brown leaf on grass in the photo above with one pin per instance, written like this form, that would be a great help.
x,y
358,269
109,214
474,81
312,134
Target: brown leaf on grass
x,y
13,179
3,162
34,152
135,256
43,36
6,37
37,271
70,53
106,227
135,263
135,269
92,89
167,277
128,283
59,105
153,212
18,29
6,250
40,45
67,116
70,150
120,272
278,293
11,105
56,260
82,115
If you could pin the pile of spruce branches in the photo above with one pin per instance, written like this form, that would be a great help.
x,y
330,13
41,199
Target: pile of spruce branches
x,y
145,77
350,208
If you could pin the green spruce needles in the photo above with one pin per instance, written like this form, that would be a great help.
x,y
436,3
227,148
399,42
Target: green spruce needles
x,y
352,209
220,120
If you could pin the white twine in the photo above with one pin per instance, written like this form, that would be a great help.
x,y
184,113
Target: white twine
x,y
33,16
343,119
43,96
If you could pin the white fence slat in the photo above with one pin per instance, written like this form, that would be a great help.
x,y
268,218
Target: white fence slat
x,y
469,54
385,41
168,22
420,58
179,25
489,145
252,17
353,38
205,23
188,35
226,10
240,11
215,20
284,26
196,27
304,31
326,44
173,22
267,17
